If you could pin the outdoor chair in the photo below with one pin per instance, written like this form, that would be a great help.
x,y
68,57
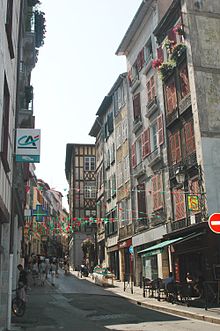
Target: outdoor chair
x,y
147,287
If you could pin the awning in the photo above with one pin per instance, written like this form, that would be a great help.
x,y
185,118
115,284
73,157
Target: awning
x,y
156,249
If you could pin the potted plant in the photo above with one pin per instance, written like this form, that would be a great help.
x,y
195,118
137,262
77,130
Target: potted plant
x,y
156,63
178,51
167,68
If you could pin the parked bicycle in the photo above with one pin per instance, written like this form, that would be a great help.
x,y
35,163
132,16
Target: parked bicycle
x,y
18,305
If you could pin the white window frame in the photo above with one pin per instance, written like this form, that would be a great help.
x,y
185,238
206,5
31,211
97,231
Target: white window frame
x,y
88,162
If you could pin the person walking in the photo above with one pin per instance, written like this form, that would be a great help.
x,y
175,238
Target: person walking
x,y
22,282
42,271
53,272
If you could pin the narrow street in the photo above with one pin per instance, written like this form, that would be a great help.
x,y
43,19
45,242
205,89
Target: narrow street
x,y
77,304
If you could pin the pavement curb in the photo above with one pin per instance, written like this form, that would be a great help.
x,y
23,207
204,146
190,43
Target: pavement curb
x,y
170,310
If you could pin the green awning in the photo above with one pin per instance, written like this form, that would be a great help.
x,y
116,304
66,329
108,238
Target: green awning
x,y
155,249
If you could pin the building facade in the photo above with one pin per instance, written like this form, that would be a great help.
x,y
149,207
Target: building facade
x,y
80,173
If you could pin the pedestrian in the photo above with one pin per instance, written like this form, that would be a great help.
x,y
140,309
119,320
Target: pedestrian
x,y
22,282
47,262
53,272
42,271
35,271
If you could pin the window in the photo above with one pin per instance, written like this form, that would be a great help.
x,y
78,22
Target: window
x,y
151,90
137,106
118,136
8,27
157,135
141,200
89,163
179,204
146,147
171,99
90,190
140,60
157,192
184,80
113,185
121,96
126,168
189,138
138,150
133,156
148,51
175,148
5,127
124,129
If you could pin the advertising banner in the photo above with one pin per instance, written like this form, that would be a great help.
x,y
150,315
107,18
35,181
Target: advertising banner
x,y
28,145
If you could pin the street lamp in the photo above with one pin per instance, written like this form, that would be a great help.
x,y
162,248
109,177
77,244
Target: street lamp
x,y
180,175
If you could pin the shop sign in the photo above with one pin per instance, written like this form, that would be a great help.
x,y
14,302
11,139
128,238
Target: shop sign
x,y
193,202
28,145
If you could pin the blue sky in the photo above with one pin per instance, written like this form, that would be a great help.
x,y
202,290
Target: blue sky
x,y
77,66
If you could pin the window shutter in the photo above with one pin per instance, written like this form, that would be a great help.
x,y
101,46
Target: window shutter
x,y
137,106
189,137
180,205
154,191
171,98
146,148
184,80
159,191
172,149
160,129
142,57
178,146
160,55
133,156
110,123
151,91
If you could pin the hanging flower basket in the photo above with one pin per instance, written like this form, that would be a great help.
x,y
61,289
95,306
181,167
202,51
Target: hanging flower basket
x,y
166,69
156,63
178,51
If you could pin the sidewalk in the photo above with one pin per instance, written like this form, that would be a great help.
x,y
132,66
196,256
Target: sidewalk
x,y
212,315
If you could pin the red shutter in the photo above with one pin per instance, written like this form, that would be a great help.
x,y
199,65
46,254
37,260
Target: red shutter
x,y
151,91
178,146
172,149
142,57
189,137
184,80
172,36
171,96
160,54
139,62
157,192
137,105
133,156
180,205
160,129
146,148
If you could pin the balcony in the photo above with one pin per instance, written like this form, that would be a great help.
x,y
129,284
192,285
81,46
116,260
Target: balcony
x,y
155,157
141,224
184,104
171,117
29,51
137,124
139,170
25,117
125,232
158,217
151,107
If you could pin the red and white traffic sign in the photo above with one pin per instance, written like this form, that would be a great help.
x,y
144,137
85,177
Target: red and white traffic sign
x,y
214,222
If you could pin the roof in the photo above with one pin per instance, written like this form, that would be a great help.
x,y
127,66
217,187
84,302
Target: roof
x,y
133,27
96,127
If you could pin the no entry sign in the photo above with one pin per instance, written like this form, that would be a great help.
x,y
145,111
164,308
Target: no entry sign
x,y
214,222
